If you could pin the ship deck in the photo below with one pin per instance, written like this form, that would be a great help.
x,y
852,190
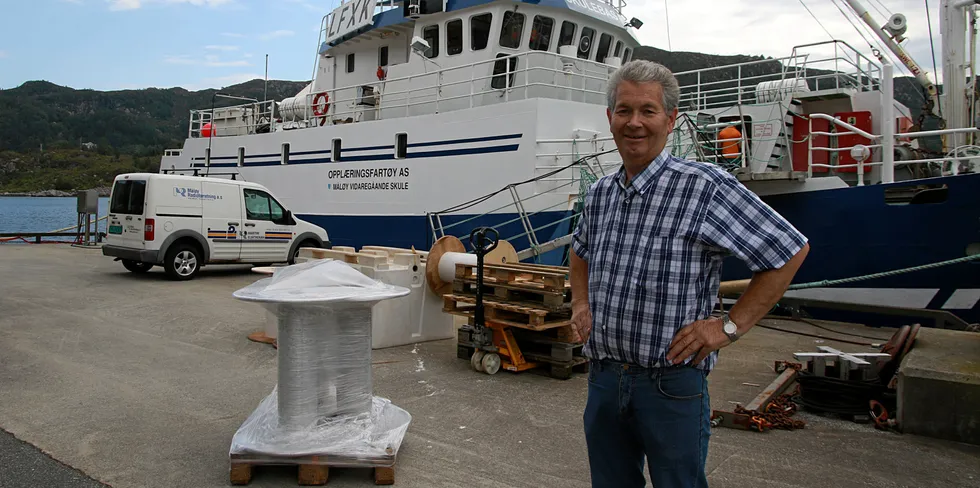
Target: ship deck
x,y
140,381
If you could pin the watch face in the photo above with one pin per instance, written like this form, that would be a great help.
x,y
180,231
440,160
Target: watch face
x,y
730,328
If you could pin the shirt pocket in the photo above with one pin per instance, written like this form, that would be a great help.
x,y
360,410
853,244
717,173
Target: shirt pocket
x,y
663,263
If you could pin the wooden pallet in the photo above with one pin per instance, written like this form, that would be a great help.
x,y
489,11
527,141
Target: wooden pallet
x,y
506,313
311,470
535,298
545,278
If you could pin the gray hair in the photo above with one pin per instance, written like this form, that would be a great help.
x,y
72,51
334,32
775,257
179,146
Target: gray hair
x,y
642,71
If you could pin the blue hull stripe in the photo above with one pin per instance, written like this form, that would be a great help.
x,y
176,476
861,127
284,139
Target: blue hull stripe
x,y
375,157
370,148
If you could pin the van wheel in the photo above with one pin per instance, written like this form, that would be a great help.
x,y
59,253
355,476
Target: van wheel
x,y
136,266
182,262
307,243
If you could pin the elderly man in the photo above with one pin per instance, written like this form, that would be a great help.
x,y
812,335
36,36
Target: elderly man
x,y
645,273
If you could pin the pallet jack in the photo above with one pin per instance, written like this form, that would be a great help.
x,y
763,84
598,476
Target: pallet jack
x,y
485,356
493,343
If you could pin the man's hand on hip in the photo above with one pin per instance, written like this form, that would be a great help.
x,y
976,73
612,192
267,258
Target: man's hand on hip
x,y
581,322
701,338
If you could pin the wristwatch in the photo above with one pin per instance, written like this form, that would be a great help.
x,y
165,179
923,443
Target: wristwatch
x,y
729,328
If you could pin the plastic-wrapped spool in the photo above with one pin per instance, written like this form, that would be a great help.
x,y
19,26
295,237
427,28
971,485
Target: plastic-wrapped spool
x,y
324,338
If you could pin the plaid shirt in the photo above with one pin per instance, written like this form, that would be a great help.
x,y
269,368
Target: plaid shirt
x,y
655,247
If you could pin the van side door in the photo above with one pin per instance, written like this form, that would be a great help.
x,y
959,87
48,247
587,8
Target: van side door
x,y
268,235
222,219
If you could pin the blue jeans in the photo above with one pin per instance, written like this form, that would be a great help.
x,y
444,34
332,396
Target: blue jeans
x,y
661,413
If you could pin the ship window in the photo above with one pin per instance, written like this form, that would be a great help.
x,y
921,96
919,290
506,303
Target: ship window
x,y
480,31
241,156
454,37
350,63
566,37
619,49
541,29
431,35
401,145
585,42
284,156
604,41
383,56
511,30
500,67
627,54
335,152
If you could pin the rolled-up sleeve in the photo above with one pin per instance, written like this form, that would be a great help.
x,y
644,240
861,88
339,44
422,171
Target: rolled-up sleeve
x,y
740,223
580,238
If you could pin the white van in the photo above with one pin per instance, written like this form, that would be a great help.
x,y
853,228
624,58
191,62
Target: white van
x,y
184,222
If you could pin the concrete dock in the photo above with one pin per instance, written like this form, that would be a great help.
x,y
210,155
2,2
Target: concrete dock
x,y
138,381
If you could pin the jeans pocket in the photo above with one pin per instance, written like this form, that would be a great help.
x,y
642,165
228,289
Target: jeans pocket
x,y
681,383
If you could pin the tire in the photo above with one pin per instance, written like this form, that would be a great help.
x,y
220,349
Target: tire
x,y
306,243
182,261
136,266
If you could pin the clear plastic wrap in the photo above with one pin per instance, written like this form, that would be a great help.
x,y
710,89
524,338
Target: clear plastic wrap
x,y
323,403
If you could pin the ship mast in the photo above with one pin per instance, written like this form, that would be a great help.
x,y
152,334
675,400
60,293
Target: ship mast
x,y
921,75
957,110
952,26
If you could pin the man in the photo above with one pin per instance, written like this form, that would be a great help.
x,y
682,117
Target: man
x,y
645,273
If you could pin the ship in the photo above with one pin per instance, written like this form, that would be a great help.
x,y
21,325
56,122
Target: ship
x,y
427,118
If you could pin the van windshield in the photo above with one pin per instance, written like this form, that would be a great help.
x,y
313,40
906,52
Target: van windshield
x,y
127,197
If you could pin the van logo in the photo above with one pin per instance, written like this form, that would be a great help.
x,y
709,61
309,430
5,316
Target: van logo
x,y
194,194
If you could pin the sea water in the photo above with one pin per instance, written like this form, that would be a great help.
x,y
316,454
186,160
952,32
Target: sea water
x,y
43,214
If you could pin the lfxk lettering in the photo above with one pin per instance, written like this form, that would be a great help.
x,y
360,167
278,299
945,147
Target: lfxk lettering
x,y
355,13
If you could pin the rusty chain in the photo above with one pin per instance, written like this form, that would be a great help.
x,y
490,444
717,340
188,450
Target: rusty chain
x,y
776,414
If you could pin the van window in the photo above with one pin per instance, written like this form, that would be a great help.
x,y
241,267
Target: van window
x,y
480,31
541,28
512,29
127,197
454,37
260,206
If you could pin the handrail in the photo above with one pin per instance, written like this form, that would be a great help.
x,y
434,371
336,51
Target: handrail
x,y
845,125
586,82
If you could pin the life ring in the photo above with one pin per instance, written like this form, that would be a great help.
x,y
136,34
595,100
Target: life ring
x,y
320,109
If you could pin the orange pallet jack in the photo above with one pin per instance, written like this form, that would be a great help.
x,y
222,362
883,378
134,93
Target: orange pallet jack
x,y
491,344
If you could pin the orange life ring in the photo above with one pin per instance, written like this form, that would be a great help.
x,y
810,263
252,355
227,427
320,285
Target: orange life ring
x,y
320,109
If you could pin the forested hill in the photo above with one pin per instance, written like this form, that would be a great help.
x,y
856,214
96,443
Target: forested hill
x,y
44,125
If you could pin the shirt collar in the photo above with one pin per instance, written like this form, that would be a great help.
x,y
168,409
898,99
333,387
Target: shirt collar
x,y
642,181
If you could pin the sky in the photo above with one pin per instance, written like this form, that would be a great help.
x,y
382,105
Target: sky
x,y
196,44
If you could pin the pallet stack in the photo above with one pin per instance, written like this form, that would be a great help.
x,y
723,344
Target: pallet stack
x,y
529,308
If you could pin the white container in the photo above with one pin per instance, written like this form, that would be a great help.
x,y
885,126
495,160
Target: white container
x,y
416,317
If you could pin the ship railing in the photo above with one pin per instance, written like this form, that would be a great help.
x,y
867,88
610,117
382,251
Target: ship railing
x,y
521,76
234,120
834,64
567,184
530,74
950,164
